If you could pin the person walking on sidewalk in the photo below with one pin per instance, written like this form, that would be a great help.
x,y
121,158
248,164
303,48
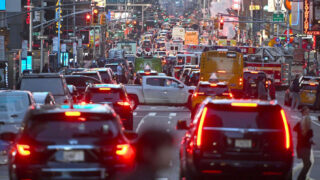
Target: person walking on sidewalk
x,y
305,134
295,93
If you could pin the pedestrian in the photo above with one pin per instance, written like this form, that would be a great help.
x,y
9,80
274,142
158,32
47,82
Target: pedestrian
x,y
154,152
124,74
316,104
119,73
305,134
272,90
247,87
295,93
262,91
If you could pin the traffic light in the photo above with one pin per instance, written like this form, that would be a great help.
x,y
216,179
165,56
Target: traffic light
x,y
221,24
88,18
95,16
103,19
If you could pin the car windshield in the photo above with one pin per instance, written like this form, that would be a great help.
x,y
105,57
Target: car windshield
x,y
53,85
55,128
13,106
94,75
242,117
113,67
101,96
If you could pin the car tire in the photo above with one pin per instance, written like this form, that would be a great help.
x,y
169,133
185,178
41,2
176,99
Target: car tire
x,y
134,101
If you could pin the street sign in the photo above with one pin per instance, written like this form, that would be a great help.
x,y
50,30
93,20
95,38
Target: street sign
x,y
42,37
278,17
63,47
55,47
36,33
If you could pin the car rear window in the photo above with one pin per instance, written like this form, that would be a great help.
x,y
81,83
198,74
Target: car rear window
x,y
94,75
309,87
55,127
81,81
113,67
100,96
210,90
13,104
53,85
244,118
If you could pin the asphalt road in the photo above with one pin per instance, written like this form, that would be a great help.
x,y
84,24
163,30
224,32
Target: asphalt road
x,y
165,117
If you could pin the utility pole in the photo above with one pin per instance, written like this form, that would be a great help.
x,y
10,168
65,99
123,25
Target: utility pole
x,y
41,36
59,25
30,27
74,31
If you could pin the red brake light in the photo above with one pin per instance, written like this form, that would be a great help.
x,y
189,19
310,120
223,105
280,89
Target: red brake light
x,y
286,128
23,150
147,73
72,113
198,94
221,71
104,89
244,104
199,135
125,103
125,151
213,85
240,81
312,84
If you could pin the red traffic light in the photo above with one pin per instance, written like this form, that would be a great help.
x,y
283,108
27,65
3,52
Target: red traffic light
x,y
88,17
221,20
221,24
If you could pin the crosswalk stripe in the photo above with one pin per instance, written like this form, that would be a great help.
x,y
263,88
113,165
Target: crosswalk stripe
x,y
152,114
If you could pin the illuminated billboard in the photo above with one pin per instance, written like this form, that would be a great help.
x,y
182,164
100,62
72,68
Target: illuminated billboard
x,y
2,5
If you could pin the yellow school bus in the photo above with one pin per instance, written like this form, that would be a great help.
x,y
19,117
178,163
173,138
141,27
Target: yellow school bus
x,y
223,64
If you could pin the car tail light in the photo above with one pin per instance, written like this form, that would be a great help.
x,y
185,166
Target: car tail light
x,y
240,81
213,85
286,128
147,73
244,104
228,94
125,151
312,84
123,103
221,71
23,149
200,128
212,171
73,113
104,89
198,94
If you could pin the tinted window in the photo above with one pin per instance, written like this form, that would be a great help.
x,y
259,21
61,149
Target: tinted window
x,y
81,81
13,106
100,96
309,87
113,67
94,75
54,128
172,83
240,117
53,85
155,81
209,90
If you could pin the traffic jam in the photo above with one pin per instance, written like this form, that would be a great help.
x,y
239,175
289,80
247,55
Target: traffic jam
x,y
164,90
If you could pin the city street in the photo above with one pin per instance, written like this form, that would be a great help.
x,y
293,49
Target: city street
x,y
166,117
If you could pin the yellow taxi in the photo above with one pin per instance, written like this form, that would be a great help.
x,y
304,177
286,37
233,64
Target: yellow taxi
x,y
205,89
308,93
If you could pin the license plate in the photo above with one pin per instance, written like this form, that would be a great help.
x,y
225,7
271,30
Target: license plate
x,y
70,156
243,143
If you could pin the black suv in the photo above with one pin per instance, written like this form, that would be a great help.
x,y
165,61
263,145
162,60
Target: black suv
x,y
47,82
237,138
63,142
116,97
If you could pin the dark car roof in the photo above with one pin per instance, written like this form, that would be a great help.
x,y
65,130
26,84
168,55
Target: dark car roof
x,y
43,75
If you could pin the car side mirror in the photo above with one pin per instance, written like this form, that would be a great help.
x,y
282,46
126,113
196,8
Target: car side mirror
x,y
181,86
182,125
131,135
8,136
191,91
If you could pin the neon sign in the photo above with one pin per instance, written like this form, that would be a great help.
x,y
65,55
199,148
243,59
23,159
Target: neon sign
x,y
28,12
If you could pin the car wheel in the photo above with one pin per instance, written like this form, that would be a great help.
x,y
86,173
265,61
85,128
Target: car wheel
x,y
134,101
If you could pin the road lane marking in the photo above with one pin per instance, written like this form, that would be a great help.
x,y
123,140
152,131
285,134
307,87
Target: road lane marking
x,y
152,114
316,123
173,114
298,166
